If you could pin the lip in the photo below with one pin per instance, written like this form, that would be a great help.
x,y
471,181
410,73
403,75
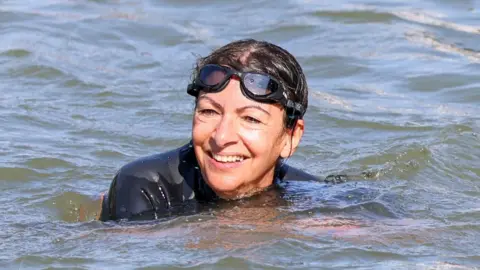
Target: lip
x,y
224,165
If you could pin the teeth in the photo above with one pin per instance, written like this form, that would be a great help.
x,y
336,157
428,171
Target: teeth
x,y
227,158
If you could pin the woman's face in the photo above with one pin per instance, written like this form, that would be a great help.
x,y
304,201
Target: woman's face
x,y
237,141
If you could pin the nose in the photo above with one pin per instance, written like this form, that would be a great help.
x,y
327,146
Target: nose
x,y
225,132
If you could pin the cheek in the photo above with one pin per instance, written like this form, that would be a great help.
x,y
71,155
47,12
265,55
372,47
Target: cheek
x,y
262,141
200,131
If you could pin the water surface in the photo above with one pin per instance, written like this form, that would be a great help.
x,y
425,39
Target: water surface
x,y
88,86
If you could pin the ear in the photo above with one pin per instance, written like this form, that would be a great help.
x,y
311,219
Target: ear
x,y
293,139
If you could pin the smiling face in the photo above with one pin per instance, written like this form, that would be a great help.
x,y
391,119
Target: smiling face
x,y
237,141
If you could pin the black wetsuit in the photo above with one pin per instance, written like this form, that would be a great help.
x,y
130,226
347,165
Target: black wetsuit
x,y
167,184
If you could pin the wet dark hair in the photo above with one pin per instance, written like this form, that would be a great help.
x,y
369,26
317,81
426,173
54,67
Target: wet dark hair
x,y
261,56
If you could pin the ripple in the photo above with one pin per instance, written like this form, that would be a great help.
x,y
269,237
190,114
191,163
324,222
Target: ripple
x,y
471,214
332,66
48,163
112,93
283,32
397,162
107,105
439,81
79,117
143,66
7,16
108,154
16,53
332,99
420,17
430,40
37,261
161,142
377,125
363,200
74,207
355,16
76,83
20,174
371,210
37,121
37,71
190,32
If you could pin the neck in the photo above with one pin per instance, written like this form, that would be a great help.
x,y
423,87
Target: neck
x,y
249,189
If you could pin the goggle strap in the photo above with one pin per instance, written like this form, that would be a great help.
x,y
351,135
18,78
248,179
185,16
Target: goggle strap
x,y
294,109
192,89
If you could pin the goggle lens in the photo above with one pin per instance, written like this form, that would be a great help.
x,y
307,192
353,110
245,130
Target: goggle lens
x,y
258,84
212,75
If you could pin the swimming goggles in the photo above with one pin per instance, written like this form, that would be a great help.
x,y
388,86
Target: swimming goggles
x,y
257,86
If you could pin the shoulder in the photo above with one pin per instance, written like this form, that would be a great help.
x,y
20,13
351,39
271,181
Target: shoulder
x,y
149,184
287,172
149,166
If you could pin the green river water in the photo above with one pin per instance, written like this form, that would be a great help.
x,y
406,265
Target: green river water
x,y
87,86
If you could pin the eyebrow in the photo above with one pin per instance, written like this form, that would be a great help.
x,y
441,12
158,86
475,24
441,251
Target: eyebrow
x,y
217,105
214,103
253,107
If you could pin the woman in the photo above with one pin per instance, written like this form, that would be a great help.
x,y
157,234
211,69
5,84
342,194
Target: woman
x,y
251,97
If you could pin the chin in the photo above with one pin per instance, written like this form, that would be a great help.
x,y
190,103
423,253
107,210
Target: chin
x,y
223,183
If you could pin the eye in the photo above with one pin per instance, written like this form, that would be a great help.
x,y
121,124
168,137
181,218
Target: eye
x,y
207,112
252,120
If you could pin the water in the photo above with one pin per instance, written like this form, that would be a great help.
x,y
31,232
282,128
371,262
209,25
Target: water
x,y
88,86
